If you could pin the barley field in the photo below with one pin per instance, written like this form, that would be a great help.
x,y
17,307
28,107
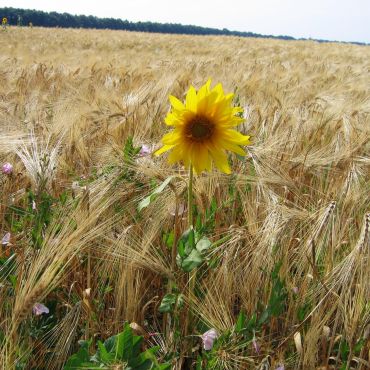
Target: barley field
x,y
95,228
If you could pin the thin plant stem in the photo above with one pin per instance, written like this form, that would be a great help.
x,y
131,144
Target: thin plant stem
x,y
88,269
86,200
175,234
190,197
192,274
171,282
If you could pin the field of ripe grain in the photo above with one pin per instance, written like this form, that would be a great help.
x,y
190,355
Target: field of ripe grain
x,y
283,278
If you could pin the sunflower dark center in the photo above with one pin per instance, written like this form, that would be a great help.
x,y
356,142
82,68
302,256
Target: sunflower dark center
x,y
199,129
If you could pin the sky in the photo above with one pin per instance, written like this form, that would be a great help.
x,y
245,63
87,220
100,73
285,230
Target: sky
x,y
342,20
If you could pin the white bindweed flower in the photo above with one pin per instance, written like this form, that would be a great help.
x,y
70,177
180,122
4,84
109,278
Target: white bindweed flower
x,y
38,309
7,168
6,239
208,338
180,210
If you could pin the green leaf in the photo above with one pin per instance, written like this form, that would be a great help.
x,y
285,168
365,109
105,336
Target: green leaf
x,y
136,345
198,222
251,325
203,244
168,303
63,198
199,364
303,311
80,359
187,236
13,280
190,250
181,250
240,323
264,317
121,349
358,347
180,301
163,367
146,201
278,295
124,344
194,260
110,344
169,238
146,365
104,355
145,360
129,150
344,350
85,344
191,240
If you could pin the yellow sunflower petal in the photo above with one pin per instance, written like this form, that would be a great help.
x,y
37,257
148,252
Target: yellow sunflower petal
x,y
219,90
232,147
163,149
223,110
200,158
180,153
191,99
236,137
229,97
172,120
220,159
176,155
237,110
204,90
186,155
172,138
228,122
207,105
176,103
208,162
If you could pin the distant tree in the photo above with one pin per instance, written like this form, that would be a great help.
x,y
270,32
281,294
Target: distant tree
x,y
53,19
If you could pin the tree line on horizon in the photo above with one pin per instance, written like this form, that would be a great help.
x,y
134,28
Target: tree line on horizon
x,y
25,17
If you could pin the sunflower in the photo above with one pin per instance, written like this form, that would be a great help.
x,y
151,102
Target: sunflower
x,y
203,129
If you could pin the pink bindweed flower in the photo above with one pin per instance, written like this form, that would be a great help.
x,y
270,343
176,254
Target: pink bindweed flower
x,y
6,239
152,334
145,150
256,346
208,338
34,208
7,168
38,309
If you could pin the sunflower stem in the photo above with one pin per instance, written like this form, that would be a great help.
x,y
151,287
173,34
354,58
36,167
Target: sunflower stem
x,y
190,197
189,318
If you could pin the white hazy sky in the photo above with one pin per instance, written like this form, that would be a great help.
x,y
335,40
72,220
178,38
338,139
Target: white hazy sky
x,y
344,20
